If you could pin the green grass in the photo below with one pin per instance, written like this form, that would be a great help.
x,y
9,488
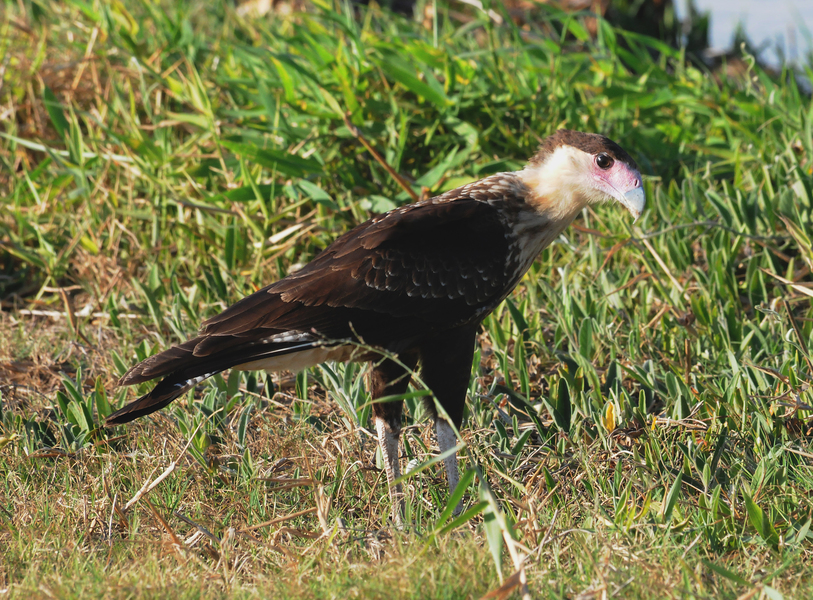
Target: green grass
x,y
640,407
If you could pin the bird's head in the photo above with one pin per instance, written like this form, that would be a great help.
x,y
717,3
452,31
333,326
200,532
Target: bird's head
x,y
573,169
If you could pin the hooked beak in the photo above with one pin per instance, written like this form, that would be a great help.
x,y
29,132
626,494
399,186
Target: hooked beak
x,y
634,199
630,193
624,184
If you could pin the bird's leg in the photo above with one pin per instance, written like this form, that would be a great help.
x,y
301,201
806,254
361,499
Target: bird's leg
x,y
389,378
447,441
446,369
388,438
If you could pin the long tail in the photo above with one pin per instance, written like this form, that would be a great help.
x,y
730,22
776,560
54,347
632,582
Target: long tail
x,y
182,370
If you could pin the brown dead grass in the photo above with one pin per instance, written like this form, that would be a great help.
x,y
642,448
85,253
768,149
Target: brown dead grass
x,y
65,511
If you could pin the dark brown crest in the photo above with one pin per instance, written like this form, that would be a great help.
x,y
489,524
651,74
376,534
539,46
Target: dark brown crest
x,y
592,143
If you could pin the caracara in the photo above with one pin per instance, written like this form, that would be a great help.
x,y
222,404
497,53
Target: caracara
x,y
415,282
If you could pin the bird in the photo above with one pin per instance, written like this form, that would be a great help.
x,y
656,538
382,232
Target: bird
x,y
406,291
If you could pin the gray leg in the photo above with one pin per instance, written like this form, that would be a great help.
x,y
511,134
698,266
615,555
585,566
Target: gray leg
x,y
388,378
388,442
446,441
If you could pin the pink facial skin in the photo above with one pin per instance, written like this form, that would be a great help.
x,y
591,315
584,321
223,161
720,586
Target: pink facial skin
x,y
620,181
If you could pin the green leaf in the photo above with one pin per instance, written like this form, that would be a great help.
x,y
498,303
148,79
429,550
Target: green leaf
x,y
672,498
196,119
760,521
63,402
731,575
55,112
772,593
491,525
455,497
801,534
73,391
79,416
436,173
578,31
586,339
288,164
229,245
317,194
103,408
519,319
563,410
285,78
87,9
463,518
247,193
405,74
523,439
242,426
152,303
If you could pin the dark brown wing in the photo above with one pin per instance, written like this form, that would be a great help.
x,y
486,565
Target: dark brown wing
x,y
427,265
413,271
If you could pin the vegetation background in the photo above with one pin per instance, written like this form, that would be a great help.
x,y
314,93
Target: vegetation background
x,y
639,416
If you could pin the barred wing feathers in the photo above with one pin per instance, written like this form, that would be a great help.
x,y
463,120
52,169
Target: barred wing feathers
x,y
415,270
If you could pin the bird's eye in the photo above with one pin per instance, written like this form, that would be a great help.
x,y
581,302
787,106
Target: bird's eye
x,y
604,161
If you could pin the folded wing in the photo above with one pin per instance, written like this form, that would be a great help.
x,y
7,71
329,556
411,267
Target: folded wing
x,y
413,271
